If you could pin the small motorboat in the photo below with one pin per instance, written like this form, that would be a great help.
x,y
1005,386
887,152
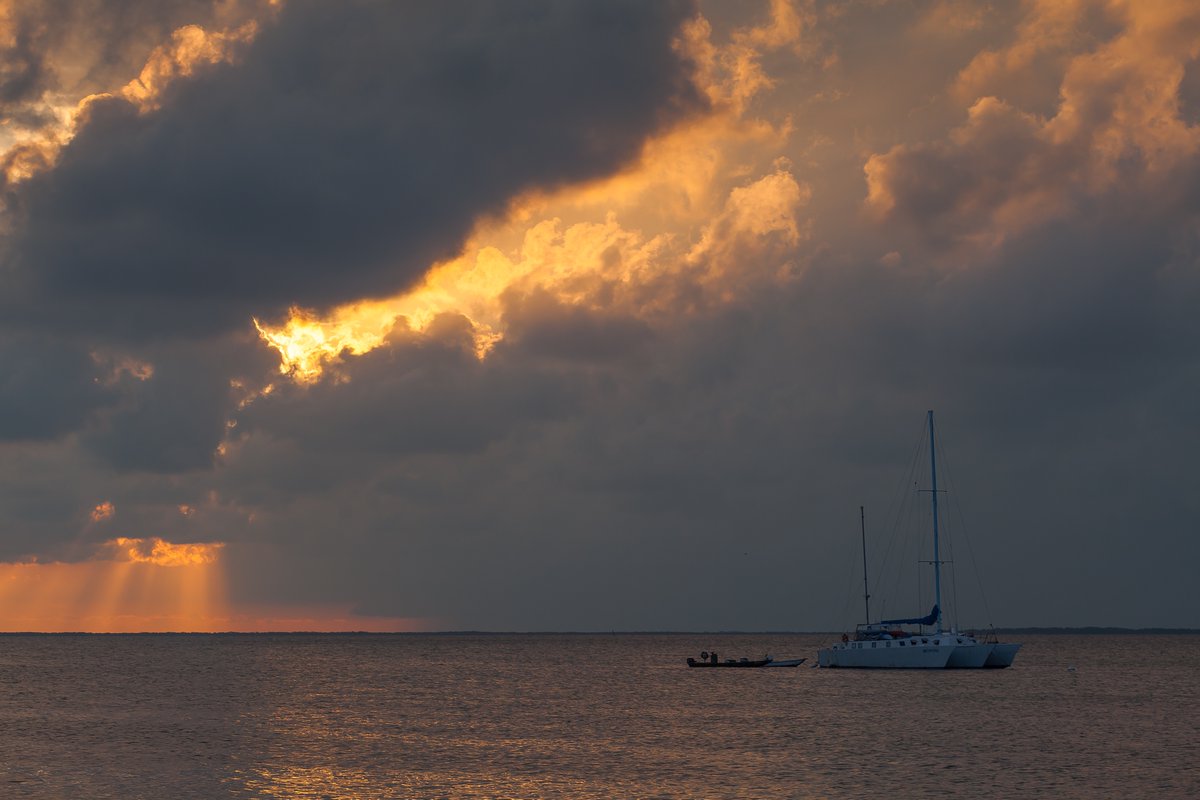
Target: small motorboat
x,y
708,659
785,662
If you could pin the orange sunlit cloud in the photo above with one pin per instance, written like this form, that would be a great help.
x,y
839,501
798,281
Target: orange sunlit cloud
x,y
103,511
573,264
676,177
681,182
190,47
24,153
163,553
1116,122
307,342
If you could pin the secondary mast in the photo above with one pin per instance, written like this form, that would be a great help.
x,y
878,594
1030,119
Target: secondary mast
x,y
866,596
937,559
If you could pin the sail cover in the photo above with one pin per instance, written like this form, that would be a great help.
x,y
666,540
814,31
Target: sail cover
x,y
929,620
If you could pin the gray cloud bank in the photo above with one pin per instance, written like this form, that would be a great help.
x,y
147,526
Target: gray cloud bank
x,y
350,146
353,145
714,482
602,469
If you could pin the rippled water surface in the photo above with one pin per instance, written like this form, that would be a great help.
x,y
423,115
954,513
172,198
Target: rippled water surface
x,y
413,716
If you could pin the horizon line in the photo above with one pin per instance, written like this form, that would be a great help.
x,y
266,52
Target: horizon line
x,y
1048,630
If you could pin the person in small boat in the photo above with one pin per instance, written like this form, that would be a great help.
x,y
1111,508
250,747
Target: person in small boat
x,y
713,656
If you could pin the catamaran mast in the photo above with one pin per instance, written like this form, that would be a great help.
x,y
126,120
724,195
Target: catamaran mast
x,y
937,560
866,597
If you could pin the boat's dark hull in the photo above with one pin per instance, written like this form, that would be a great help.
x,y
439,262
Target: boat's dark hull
x,y
730,664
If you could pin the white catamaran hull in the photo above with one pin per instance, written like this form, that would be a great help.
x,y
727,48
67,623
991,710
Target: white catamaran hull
x,y
1002,655
886,655
969,654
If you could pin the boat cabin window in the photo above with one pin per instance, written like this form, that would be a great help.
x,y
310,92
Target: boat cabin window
x,y
874,643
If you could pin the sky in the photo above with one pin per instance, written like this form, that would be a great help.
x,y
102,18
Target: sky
x,y
526,315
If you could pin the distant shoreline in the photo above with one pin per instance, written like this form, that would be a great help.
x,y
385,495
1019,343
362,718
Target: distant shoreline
x,y
1098,630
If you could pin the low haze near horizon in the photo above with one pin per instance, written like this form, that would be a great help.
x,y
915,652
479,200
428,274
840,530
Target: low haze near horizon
x,y
595,315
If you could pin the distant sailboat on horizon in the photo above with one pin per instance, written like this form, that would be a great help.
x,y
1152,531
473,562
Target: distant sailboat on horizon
x,y
886,645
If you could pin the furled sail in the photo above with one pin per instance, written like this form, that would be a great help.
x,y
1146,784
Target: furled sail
x,y
929,620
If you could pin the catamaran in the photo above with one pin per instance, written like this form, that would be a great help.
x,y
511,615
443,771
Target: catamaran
x,y
887,645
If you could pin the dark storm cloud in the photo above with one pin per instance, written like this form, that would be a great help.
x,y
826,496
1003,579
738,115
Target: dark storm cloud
x,y
734,451
45,495
1189,93
21,68
1075,297
47,388
173,420
355,144
170,419
427,394
686,453
951,190
542,324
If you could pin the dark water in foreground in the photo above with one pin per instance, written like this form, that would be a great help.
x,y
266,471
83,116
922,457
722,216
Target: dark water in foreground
x,y
584,716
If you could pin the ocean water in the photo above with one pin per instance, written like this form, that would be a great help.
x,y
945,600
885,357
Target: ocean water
x,y
585,716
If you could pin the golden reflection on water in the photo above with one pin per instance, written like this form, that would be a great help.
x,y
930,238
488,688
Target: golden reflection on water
x,y
583,717
387,783
371,718
304,781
